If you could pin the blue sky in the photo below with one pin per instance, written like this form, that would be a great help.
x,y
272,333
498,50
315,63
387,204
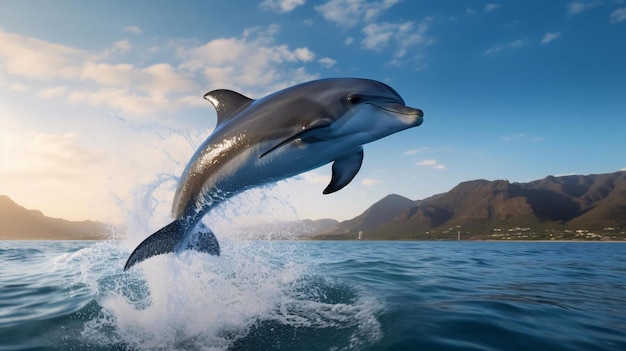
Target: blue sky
x,y
102,101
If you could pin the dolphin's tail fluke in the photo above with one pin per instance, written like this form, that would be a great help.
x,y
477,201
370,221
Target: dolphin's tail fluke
x,y
172,238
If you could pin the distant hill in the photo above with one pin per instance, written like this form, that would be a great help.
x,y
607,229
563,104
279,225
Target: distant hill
x,y
377,216
18,223
578,207
567,207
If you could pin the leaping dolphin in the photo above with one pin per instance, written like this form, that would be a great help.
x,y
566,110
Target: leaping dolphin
x,y
281,135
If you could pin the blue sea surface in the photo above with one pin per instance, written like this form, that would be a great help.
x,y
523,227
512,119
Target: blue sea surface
x,y
312,295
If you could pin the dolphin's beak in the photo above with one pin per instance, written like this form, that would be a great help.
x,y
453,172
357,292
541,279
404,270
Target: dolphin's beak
x,y
411,115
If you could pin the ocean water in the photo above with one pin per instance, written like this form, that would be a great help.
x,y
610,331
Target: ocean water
x,y
311,295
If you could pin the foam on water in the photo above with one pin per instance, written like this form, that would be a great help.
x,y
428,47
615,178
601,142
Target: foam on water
x,y
196,301
255,293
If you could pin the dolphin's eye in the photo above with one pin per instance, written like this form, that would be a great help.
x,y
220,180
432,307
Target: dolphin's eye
x,y
354,99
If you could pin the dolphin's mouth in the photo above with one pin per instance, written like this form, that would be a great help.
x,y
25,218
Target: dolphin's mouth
x,y
399,108
414,115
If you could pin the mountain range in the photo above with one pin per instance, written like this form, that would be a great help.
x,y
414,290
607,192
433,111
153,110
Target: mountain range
x,y
579,207
18,223
565,207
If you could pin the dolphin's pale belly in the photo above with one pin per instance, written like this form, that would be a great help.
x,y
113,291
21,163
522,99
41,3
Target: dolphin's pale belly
x,y
247,170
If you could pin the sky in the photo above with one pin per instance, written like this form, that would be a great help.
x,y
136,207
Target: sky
x,y
101,102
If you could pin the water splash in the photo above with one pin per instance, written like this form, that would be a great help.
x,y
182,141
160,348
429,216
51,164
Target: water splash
x,y
256,295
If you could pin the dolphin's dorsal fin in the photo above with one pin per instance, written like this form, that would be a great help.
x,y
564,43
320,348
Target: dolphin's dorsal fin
x,y
344,170
227,103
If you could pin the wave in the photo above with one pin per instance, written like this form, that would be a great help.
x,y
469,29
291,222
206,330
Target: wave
x,y
256,295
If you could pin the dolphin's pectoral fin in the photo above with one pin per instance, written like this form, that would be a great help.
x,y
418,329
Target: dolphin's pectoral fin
x,y
227,103
344,170
204,241
302,133
163,241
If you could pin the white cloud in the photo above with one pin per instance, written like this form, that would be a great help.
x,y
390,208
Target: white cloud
x,y
427,163
491,7
348,41
618,15
49,93
514,137
416,151
122,99
107,74
304,54
37,59
514,45
252,64
282,6
163,79
548,37
158,79
577,7
377,35
262,35
623,169
402,37
494,49
121,46
132,29
521,136
370,181
136,89
431,163
327,62
351,12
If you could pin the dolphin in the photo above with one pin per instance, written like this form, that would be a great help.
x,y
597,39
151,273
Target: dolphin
x,y
276,137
